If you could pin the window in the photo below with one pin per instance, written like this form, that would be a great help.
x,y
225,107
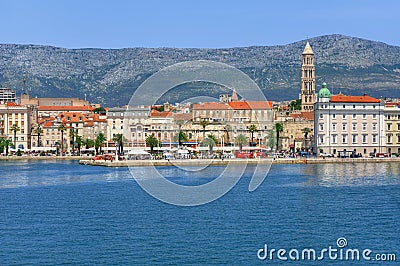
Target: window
x,y
389,126
354,138
344,116
354,116
364,138
389,117
334,138
398,126
374,138
389,138
364,126
364,106
354,106
321,139
334,127
354,126
398,138
374,126
321,127
374,116
344,138
333,116
344,106
321,116
344,127
364,116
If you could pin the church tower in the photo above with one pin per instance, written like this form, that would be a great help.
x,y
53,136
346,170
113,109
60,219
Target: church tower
x,y
308,96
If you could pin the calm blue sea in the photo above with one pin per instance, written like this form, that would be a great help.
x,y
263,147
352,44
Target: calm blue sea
x,y
64,213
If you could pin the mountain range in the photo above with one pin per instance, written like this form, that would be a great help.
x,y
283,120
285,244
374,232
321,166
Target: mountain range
x,y
110,76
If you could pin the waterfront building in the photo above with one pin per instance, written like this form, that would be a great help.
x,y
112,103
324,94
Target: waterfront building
x,y
136,124
295,125
226,120
115,121
348,124
308,95
11,114
27,100
7,95
392,127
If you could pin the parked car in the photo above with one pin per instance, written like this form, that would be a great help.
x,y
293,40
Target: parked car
x,y
381,155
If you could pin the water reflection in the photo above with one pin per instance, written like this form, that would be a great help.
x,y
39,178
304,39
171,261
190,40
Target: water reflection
x,y
353,174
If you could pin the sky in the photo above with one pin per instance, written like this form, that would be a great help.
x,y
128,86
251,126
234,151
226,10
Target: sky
x,y
198,23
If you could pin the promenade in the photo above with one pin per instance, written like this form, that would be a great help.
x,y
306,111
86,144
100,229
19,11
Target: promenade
x,y
219,162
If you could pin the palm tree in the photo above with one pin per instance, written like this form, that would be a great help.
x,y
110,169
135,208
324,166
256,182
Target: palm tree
x,y
241,140
227,128
98,143
305,131
204,123
88,143
252,128
270,139
278,129
6,144
38,131
152,142
180,137
210,142
79,142
62,129
15,128
119,139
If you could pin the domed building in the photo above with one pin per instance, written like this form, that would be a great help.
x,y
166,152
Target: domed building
x,y
324,95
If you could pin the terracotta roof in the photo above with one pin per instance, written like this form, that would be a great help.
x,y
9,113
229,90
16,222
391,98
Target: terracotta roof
x,y
12,104
74,117
340,98
64,108
211,106
48,124
243,105
155,113
303,115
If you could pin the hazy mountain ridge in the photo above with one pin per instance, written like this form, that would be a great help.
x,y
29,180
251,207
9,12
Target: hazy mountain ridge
x,y
343,62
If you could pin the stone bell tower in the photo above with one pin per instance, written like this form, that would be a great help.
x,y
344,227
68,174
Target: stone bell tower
x,y
308,96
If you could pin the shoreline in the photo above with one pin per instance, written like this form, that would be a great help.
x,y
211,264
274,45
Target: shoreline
x,y
38,158
219,162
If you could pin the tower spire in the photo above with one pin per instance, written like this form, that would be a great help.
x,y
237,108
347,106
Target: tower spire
x,y
308,96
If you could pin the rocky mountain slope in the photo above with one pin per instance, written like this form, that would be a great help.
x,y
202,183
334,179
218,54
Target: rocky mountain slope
x,y
110,76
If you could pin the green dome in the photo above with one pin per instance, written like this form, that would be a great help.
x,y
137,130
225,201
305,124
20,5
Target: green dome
x,y
324,92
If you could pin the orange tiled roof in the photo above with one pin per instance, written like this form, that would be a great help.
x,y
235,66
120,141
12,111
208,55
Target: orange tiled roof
x,y
340,98
12,104
155,113
247,105
48,124
211,106
64,108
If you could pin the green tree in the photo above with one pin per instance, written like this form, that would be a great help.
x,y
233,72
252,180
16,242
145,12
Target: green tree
x,y
62,128
79,142
152,142
119,139
209,142
98,143
252,128
181,137
241,140
295,105
271,141
89,143
15,128
38,131
99,110
204,123
6,143
278,130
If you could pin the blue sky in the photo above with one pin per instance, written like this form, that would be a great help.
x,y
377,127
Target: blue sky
x,y
200,23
